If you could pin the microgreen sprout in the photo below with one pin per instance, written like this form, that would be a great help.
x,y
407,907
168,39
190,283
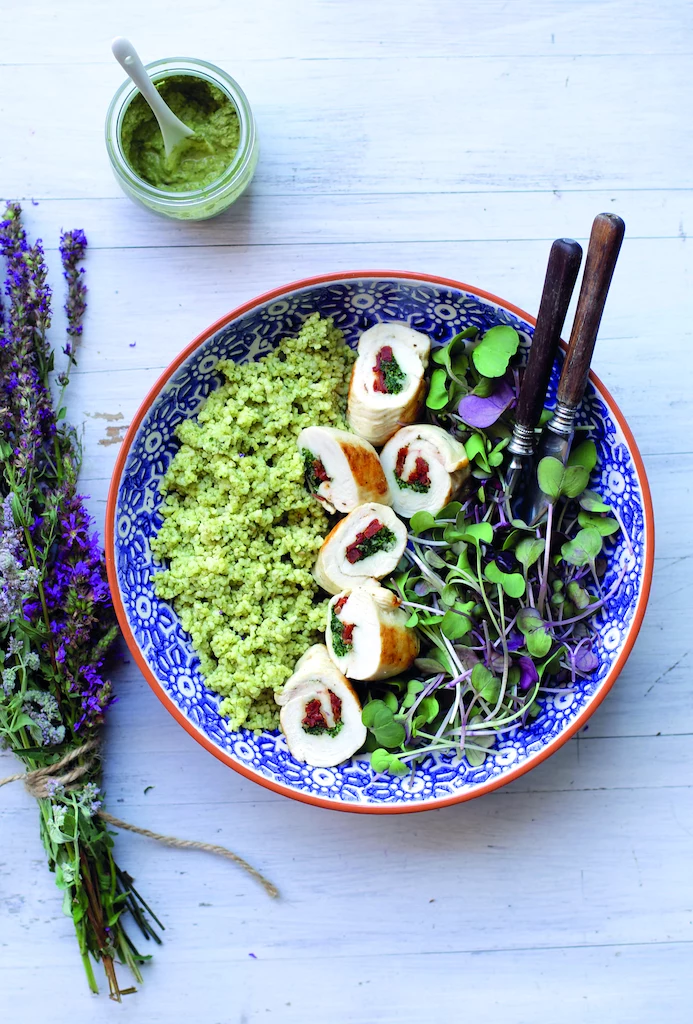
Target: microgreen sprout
x,y
504,609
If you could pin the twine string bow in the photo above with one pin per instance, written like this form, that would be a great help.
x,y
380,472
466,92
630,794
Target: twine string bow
x,y
41,782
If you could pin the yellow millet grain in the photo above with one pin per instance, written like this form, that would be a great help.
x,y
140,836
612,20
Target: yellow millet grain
x,y
240,533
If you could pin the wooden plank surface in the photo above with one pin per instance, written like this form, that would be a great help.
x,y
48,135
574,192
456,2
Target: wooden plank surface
x,y
450,137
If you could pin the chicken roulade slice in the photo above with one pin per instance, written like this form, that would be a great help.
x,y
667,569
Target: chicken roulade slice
x,y
367,635
320,713
342,469
425,468
387,381
362,548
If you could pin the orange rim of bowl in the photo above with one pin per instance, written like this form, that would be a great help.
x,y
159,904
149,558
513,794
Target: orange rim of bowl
x,y
169,704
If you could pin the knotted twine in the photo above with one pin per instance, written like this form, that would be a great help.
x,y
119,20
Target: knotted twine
x,y
41,782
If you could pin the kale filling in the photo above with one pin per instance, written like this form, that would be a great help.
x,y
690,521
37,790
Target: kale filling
x,y
341,645
393,376
314,471
413,485
314,721
390,378
318,730
383,540
419,480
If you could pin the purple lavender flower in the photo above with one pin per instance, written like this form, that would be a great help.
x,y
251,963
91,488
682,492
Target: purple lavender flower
x,y
27,420
73,247
44,712
88,799
15,580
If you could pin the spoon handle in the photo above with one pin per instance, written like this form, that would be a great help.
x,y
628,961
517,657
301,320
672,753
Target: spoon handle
x,y
561,273
128,58
605,243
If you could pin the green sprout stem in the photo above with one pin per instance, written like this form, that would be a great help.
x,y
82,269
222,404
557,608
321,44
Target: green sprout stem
x,y
541,599
506,656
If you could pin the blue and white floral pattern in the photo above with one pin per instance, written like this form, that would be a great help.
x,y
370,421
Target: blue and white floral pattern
x,y
354,304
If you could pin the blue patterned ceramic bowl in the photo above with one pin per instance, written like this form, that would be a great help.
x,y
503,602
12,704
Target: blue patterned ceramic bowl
x,y
162,649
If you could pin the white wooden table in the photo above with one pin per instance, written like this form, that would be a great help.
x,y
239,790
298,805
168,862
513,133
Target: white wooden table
x,y
457,137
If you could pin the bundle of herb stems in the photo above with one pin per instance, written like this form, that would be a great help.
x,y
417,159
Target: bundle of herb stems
x,y
506,609
57,624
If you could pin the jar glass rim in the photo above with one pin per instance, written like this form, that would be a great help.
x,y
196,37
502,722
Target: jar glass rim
x,y
167,68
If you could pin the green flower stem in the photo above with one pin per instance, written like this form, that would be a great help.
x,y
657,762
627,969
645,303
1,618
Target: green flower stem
x,y
44,610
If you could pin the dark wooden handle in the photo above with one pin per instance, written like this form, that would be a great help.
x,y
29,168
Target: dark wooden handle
x,y
602,253
561,273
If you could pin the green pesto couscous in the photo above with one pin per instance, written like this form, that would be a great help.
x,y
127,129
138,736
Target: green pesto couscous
x,y
240,532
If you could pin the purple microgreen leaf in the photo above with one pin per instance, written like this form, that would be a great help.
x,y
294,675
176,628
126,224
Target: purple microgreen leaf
x,y
483,412
586,660
528,672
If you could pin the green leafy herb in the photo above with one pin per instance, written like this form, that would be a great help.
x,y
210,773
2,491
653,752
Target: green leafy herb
x,y
438,396
529,550
383,540
383,761
512,583
341,648
380,719
394,376
591,502
535,632
492,355
584,455
605,525
578,595
584,548
457,622
476,532
452,356
421,521
313,470
485,683
556,480
318,730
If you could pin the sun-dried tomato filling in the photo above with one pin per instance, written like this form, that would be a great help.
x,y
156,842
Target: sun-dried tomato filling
x,y
389,375
375,537
418,479
315,472
342,632
314,720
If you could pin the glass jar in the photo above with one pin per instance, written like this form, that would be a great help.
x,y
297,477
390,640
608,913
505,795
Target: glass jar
x,y
197,204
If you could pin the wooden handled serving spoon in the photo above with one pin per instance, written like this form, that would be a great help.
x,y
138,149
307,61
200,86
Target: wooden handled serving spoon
x,y
561,273
605,244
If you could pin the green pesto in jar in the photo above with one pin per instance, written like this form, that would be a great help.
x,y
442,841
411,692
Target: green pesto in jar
x,y
199,160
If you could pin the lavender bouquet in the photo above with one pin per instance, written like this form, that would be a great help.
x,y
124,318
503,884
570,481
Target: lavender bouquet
x,y
57,624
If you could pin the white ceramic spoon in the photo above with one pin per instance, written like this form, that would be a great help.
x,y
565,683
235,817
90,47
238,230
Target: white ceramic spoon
x,y
172,128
